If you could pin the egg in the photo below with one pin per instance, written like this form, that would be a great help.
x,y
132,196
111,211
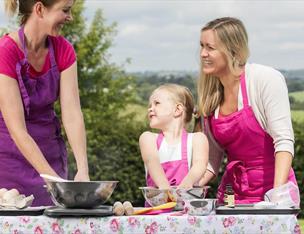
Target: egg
x,y
129,210
10,194
2,191
118,208
24,201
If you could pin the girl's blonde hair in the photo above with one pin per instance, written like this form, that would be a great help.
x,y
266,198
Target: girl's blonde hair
x,y
232,40
180,94
25,7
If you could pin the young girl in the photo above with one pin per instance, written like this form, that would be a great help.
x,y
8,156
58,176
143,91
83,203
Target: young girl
x,y
173,157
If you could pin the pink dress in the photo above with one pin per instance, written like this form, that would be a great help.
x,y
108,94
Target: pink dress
x,y
250,151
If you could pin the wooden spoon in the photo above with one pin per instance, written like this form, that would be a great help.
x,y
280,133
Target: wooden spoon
x,y
160,207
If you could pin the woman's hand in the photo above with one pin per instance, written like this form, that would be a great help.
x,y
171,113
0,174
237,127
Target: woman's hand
x,y
81,176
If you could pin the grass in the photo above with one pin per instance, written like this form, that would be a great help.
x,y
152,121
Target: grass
x,y
298,96
298,115
301,222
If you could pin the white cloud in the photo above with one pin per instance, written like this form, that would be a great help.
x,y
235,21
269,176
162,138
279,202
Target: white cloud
x,y
292,46
132,30
165,34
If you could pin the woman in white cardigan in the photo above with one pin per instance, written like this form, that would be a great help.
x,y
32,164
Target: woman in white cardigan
x,y
246,114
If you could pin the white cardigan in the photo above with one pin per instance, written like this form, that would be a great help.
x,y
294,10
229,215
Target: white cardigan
x,y
268,97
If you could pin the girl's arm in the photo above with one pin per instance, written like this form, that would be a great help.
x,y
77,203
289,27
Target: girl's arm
x,y
208,176
12,111
72,119
149,154
216,153
199,160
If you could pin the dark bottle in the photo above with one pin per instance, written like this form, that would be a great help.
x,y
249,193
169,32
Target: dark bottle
x,y
229,196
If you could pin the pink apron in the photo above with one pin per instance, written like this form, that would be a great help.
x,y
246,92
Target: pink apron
x,y
250,151
177,170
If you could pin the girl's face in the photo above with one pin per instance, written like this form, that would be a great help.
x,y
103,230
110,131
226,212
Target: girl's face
x,y
57,15
161,109
214,62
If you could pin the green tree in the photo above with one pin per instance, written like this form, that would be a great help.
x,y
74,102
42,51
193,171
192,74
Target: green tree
x,y
298,161
105,92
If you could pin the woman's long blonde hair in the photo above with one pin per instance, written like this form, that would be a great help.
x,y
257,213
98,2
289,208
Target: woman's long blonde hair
x,y
232,40
25,7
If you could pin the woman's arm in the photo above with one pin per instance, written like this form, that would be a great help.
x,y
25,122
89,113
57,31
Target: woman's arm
x,y
283,162
12,111
199,160
150,157
275,100
72,119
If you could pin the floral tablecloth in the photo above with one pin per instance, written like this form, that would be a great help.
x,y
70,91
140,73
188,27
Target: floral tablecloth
x,y
152,224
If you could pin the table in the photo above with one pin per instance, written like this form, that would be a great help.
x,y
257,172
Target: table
x,y
152,224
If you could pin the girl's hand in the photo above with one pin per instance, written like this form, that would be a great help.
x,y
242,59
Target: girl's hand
x,y
185,185
81,176
165,186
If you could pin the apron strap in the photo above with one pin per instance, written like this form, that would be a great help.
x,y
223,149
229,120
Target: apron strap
x,y
19,65
24,94
184,145
22,40
52,52
54,68
244,90
160,138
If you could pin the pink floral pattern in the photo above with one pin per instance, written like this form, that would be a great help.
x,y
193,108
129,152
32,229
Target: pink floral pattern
x,y
56,228
230,221
77,231
152,228
114,225
133,222
152,224
25,219
38,230
192,219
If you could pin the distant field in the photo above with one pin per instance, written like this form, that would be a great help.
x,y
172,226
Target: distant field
x,y
298,96
298,115
141,111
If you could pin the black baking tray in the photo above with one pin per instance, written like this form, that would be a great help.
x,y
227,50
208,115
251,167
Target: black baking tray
x,y
100,211
29,211
240,210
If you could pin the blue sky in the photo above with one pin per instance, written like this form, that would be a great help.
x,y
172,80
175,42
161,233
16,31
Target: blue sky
x,y
164,35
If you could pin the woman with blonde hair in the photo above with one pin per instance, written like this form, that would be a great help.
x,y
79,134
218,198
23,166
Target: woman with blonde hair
x,y
245,113
38,66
